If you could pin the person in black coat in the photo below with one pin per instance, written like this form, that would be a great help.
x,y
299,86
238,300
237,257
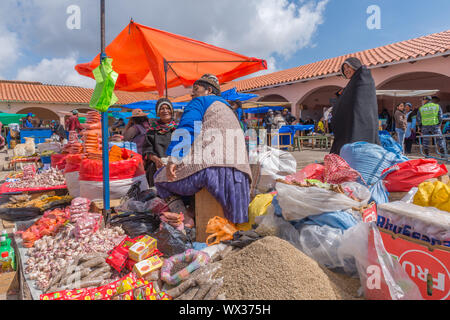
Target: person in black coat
x,y
158,138
355,116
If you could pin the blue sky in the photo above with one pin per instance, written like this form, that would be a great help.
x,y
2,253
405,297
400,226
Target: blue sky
x,y
344,29
36,45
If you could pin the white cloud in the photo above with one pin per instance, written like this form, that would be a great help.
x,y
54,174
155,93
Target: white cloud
x,y
269,29
9,49
56,71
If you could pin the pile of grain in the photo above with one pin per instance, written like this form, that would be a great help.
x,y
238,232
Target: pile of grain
x,y
273,269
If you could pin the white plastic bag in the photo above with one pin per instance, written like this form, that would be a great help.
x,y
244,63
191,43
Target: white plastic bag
x,y
275,164
298,203
321,243
355,246
73,183
93,190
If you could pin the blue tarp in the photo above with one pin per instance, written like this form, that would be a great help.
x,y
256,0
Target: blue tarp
x,y
233,95
292,130
262,109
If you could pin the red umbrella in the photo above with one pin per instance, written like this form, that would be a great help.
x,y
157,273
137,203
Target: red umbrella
x,y
148,59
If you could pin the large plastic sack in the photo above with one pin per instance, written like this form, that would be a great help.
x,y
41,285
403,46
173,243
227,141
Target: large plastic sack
x,y
258,207
391,145
381,276
72,174
275,164
369,159
172,241
422,223
411,173
58,161
341,220
378,190
122,175
298,202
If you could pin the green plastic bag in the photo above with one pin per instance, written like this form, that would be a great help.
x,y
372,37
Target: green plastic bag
x,y
103,96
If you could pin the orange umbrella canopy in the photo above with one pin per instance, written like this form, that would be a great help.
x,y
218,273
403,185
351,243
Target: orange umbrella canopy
x,y
139,52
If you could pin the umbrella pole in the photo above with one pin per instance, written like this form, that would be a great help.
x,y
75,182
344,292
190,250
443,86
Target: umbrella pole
x,y
165,76
105,157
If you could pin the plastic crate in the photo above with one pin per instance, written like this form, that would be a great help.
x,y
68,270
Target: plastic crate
x,y
46,160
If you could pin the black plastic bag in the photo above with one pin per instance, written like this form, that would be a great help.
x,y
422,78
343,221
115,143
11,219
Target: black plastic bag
x,y
136,224
19,214
146,195
172,241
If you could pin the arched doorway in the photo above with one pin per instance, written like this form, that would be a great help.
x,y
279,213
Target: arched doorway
x,y
41,114
312,104
416,81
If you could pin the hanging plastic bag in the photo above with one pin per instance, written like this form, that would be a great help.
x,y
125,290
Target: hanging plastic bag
x,y
258,207
72,174
221,230
298,202
411,173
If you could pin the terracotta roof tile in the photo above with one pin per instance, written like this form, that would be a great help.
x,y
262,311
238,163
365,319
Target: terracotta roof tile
x,y
22,91
420,47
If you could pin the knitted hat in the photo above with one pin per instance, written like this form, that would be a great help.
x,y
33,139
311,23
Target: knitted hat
x,y
161,102
211,80
74,111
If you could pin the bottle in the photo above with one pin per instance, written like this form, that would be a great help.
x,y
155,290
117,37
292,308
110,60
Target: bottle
x,y
6,262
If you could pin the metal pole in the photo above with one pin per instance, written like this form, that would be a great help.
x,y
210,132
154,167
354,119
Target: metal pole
x,y
166,67
105,157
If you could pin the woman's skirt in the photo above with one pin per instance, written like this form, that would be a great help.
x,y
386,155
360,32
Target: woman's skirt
x,y
229,186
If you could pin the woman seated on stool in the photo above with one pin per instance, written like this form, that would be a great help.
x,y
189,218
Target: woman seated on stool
x,y
203,158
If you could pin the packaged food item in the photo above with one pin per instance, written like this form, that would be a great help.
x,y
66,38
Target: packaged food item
x,y
146,292
163,296
139,250
147,266
130,263
129,295
75,294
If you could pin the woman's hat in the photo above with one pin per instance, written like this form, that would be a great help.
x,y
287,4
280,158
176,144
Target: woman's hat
x,y
136,113
161,102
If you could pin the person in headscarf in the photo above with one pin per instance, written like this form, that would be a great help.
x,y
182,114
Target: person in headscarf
x,y
202,153
355,116
158,138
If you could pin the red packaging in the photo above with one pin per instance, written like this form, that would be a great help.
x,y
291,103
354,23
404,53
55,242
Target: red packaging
x,y
65,295
412,173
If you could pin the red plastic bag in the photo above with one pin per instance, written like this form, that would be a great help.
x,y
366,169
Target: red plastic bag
x,y
412,173
92,170
58,161
72,162
312,171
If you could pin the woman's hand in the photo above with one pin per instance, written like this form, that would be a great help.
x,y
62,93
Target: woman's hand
x,y
171,172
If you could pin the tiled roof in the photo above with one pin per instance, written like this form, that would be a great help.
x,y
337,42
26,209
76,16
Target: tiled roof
x,y
23,91
437,43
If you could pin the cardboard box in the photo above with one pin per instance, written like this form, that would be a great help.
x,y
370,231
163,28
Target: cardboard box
x,y
142,248
145,267
428,266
